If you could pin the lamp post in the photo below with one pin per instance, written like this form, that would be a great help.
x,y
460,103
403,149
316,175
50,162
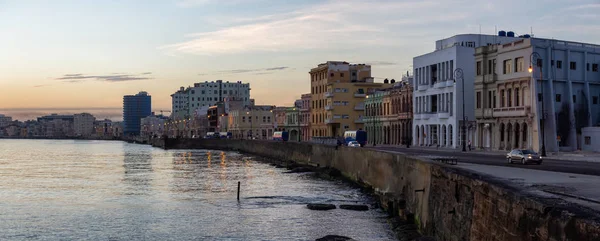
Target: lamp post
x,y
535,56
458,74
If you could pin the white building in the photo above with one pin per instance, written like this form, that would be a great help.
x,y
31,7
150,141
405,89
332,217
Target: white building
x,y
5,120
186,100
83,124
152,125
437,98
552,103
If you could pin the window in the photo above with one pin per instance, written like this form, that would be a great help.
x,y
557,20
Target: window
x,y
557,97
573,65
353,73
332,74
243,119
503,98
517,97
595,67
509,92
595,100
493,65
203,92
494,99
551,62
507,66
216,92
520,64
193,92
489,99
489,67
478,100
478,67
574,99
559,64
341,74
587,67
192,98
588,140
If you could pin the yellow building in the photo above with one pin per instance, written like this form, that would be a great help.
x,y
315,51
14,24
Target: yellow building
x,y
252,122
338,92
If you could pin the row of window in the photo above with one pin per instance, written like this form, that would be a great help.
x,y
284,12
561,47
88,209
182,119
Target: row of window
x,y
265,119
320,76
519,66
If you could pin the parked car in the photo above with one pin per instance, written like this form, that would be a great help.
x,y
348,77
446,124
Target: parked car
x,y
523,156
353,144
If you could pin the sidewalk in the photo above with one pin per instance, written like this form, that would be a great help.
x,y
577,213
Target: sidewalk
x,y
564,156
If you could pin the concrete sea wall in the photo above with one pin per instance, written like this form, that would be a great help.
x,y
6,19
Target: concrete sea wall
x,y
445,202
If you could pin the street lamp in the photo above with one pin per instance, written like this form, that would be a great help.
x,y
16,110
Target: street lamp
x,y
458,73
535,56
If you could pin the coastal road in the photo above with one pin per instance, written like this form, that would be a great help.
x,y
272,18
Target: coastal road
x,y
566,166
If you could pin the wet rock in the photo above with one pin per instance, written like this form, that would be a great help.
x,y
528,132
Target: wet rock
x,y
334,238
300,170
355,207
320,206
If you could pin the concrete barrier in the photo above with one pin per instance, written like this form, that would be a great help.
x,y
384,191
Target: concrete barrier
x,y
445,202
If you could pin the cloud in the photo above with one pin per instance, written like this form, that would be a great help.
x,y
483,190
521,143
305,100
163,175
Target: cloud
x,y
74,78
382,63
261,71
44,85
332,25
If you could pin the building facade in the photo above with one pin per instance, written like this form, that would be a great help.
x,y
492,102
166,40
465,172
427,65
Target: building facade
x,y
292,123
389,114
304,105
527,100
186,100
439,109
338,91
279,115
5,120
83,124
135,107
103,129
253,122
152,126
214,115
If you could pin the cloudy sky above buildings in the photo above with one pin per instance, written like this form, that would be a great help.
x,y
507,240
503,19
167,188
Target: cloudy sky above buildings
x,y
70,55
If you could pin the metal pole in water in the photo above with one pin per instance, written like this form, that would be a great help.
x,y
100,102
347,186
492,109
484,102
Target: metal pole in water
x,y
238,193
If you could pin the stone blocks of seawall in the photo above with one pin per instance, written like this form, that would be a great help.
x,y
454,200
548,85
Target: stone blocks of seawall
x,y
444,202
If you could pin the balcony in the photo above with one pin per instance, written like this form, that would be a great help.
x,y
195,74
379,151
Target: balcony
x,y
423,116
328,107
360,95
423,87
359,107
483,113
512,111
328,95
443,115
490,78
449,83
440,85
404,115
359,121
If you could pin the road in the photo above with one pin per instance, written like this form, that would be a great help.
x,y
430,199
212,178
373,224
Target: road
x,y
566,166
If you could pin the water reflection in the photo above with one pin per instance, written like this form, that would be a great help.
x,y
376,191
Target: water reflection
x,y
138,171
66,190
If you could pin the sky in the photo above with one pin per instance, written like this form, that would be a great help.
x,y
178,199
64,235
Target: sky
x,y
69,56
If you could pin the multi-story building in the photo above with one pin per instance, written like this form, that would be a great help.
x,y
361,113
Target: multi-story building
x,y
57,126
186,100
338,90
152,126
5,120
279,115
536,92
117,129
439,109
103,128
135,107
214,115
292,123
304,105
252,122
389,114
83,124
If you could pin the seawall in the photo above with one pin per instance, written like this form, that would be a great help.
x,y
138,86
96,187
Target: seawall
x,y
445,202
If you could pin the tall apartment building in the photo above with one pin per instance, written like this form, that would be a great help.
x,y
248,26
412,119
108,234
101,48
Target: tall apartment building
x,y
338,90
83,124
534,92
135,107
186,100
438,93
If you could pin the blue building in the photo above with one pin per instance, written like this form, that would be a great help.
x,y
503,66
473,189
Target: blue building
x,y
135,107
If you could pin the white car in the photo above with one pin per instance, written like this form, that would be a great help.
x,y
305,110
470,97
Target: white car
x,y
353,144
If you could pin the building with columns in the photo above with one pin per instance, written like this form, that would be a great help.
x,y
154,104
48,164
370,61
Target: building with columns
x,y
529,100
304,105
438,94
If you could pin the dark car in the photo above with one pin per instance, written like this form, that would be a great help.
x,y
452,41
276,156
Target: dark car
x,y
523,157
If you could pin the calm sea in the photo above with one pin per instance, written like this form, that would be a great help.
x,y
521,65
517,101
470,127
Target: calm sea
x,y
110,190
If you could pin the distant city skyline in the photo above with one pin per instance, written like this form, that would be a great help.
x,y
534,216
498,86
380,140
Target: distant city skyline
x,y
70,56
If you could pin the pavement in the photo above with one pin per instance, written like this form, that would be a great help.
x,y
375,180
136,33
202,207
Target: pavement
x,y
556,163
575,188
